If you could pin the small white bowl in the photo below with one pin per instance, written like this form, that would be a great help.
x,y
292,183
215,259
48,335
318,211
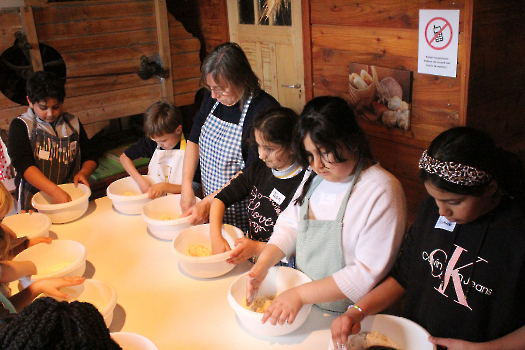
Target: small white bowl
x,y
101,294
120,194
133,341
30,225
63,212
405,333
57,259
154,213
205,266
278,280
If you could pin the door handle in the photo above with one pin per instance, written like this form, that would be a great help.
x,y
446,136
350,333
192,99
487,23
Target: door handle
x,y
296,86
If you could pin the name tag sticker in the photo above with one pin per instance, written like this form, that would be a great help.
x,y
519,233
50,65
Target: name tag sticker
x,y
43,154
328,198
277,196
444,224
73,146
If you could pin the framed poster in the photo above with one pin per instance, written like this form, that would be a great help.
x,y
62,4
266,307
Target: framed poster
x,y
381,95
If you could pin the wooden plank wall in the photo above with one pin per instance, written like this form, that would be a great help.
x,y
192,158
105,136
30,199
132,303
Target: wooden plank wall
x,y
497,72
107,37
488,92
385,33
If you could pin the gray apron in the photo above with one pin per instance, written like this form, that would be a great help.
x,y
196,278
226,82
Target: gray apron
x,y
319,245
58,158
220,153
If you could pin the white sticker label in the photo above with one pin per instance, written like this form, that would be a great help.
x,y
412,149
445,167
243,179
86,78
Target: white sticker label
x,y
328,198
73,146
43,154
277,196
444,224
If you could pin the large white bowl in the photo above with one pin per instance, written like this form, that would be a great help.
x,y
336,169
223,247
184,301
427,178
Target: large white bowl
x,y
278,280
407,334
57,259
133,341
205,266
101,294
30,225
126,204
63,212
154,211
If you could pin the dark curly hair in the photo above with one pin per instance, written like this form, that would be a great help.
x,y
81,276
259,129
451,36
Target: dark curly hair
x,y
468,146
43,85
53,325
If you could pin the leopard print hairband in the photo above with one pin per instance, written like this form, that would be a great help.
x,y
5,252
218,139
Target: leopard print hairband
x,y
453,172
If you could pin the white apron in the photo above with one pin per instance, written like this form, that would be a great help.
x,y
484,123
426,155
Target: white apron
x,y
220,155
166,164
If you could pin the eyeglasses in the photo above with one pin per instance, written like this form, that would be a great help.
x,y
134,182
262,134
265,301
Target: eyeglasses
x,y
218,92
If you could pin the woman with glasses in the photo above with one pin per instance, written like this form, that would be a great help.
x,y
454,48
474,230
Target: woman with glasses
x,y
220,127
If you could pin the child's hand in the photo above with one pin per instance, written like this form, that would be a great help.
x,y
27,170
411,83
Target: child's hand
x,y
33,241
82,177
219,245
51,286
343,326
156,190
144,185
198,213
285,307
60,196
253,281
246,250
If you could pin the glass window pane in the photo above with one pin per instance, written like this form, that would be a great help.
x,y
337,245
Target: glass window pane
x,y
283,17
265,20
246,12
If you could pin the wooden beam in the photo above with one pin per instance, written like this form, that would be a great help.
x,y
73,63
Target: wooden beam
x,y
28,25
163,34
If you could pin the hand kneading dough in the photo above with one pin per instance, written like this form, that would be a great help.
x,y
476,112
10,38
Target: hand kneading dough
x,y
364,340
260,304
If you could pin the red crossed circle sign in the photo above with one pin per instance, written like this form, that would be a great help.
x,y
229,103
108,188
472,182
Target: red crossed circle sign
x,y
438,33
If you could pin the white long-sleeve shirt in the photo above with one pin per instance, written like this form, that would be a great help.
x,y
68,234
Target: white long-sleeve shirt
x,y
374,224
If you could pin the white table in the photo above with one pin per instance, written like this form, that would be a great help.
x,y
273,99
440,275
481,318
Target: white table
x,y
158,300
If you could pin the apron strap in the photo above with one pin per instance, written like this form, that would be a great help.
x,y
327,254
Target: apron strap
x,y
342,208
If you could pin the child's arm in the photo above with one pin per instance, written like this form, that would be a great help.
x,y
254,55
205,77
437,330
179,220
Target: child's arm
x,y
13,270
88,168
40,181
270,256
128,165
159,189
49,286
512,341
218,243
378,299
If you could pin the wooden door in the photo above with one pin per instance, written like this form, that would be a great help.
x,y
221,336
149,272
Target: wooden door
x,y
274,47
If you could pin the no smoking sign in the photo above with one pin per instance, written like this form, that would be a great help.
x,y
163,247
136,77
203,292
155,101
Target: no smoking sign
x,y
438,33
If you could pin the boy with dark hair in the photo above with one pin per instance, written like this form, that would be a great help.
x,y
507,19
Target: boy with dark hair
x,y
47,146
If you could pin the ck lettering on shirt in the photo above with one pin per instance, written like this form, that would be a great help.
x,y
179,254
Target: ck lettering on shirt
x,y
444,224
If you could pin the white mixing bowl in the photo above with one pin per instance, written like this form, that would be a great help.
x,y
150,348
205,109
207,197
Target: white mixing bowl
x,y
132,341
205,266
30,225
162,216
101,294
63,212
405,333
57,259
278,280
126,195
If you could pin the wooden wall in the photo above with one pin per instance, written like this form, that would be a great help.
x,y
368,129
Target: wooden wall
x,y
107,37
385,33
